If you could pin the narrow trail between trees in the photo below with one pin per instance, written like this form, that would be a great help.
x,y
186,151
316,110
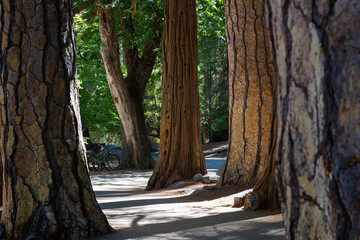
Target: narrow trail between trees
x,y
197,211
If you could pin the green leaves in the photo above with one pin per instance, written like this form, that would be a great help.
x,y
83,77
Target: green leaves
x,y
142,15
98,111
213,67
152,100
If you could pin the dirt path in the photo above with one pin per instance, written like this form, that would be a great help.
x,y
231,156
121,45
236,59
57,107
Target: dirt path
x,y
187,213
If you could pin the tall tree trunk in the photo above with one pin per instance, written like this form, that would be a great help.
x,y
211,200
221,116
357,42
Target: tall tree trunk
x,y
251,94
47,189
180,155
127,94
318,159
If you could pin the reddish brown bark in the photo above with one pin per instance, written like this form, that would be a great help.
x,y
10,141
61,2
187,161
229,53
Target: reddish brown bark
x,y
180,155
251,95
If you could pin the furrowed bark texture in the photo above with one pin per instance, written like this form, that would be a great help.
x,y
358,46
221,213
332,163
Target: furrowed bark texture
x,y
47,189
128,92
318,154
251,94
180,155
1,174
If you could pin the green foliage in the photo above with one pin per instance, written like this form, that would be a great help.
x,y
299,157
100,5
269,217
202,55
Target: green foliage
x,y
152,100
213,67
98,111
142,14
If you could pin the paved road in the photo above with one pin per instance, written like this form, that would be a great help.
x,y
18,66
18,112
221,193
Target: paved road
x,y
212,164
171,214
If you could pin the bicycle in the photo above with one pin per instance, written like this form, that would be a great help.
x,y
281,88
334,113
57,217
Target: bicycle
x,y
99,158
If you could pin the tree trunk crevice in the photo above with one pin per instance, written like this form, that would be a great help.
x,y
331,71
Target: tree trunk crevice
x,y
317,158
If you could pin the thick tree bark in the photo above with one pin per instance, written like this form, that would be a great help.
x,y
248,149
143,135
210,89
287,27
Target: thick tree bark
x,y
265,194
180,155
318,160
128,92
1,175
47,189
251,95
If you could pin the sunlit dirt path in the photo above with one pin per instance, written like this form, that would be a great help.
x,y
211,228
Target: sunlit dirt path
x,y
186,213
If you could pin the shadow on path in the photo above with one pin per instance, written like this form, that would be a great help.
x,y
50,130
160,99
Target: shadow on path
x,y
205,194
234,225
173,214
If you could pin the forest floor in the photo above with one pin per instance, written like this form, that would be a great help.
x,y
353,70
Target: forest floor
x,y
194,211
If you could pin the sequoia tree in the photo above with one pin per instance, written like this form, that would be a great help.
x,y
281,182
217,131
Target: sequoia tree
x,y
318,160
180,151
251,101
47,189
128,92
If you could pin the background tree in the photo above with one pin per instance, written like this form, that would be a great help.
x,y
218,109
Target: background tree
x,y
52,197
98,111
251,95
180,155
140,35
212,65
318,160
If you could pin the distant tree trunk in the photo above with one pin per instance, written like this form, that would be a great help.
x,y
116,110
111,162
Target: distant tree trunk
x,y
180,155
318,159
125,150
251,95
47,189
207,126
128,92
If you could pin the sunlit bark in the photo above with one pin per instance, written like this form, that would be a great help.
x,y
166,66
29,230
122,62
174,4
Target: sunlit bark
x,y
318,161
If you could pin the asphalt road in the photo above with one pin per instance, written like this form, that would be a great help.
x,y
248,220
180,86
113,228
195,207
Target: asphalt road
x,y
172,214
212,164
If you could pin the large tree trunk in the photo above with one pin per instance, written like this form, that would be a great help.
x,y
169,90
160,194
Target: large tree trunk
x,y
127,94
318,159
180,155
47,189
1,152
265,194
1,173
251,94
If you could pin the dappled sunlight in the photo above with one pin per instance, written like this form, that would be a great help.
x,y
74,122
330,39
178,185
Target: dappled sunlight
x,y
233,225
178,212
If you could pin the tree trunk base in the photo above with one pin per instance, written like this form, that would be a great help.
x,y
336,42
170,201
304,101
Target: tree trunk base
x,y
264,198
161,183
